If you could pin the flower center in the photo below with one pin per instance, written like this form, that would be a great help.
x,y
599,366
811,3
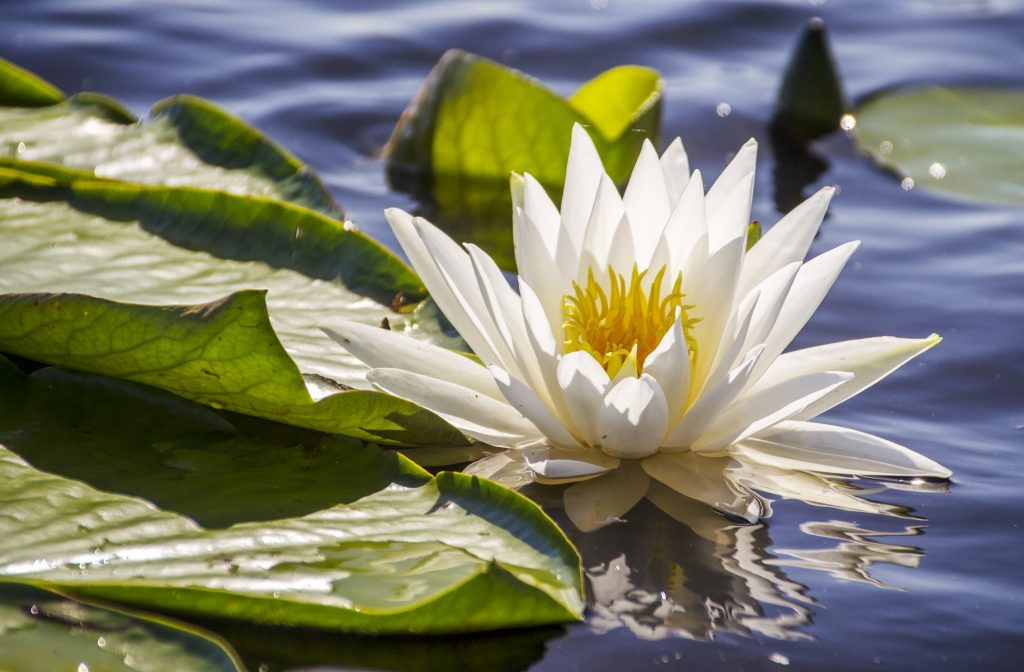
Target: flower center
x,y
623,325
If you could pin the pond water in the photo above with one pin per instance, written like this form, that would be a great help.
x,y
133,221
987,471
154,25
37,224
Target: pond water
x,y
940,587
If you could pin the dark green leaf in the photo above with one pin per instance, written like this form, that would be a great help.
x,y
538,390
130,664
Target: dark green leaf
x,y
811,101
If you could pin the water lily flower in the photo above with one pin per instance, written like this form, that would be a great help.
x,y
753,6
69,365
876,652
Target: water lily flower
x,y
645,342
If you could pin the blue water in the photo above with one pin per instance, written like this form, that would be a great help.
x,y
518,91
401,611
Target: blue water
x,y
812,589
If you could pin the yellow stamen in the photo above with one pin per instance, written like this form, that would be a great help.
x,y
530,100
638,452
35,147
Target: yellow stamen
x,y
624,323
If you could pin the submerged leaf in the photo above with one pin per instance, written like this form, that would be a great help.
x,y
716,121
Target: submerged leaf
x,y
963,141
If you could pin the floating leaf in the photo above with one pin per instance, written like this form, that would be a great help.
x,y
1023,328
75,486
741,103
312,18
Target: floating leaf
x,y
811,101
184,141
43,631
396,551
477,119
966,142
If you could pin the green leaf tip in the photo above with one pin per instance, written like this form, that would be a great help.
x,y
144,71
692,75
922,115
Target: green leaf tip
x,y
810,100
21,88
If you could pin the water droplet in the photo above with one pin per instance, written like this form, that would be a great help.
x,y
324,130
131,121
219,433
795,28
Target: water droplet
x,y
82,667
34,610
779,659
847,122
723,110
885,147
937,170
907,183
101,642
21,148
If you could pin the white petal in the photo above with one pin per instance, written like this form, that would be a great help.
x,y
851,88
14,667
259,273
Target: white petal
x,y
869,359
473,413
787,241
403,225
584,383
766,406
676,168
455,268
380,348
552,465
809,288
685,227
708,480
713,293
812,446
772,296
647,203
669,363
633,418
729,198
546,347
582,175
593,504
606,220
548,266
524,400
538,207
711,402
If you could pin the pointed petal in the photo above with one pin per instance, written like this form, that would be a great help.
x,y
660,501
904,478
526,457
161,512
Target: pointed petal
x,y
593,504
380,348
647,203
685,227
809,288
729,199
422,260
455,268
812,446
669,364
676,168
766,406
582,175
473,413
523,399
772,295
546,265
633,418
706,479
545,346
868,359
552,465
713,294
787,241
585,384
607,217
711,402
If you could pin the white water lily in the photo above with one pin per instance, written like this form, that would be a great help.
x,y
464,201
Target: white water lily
x,y
644,342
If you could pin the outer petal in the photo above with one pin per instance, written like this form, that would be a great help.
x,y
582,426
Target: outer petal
x,y
552,465
787,241
729,198
585,384
380,348
608,229
713,295
675,166
593,504
548,266
530,405
686,226
508,468
466,409
582,175
634,418
813,446
402,223
869,359
765,407
707,479
647,203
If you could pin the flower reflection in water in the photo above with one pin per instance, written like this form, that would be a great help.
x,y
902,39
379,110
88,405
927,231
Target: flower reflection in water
x,y
712,575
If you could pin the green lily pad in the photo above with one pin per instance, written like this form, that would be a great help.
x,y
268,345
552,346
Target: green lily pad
x,y
93,238
477,119
184,141
392,550
963,141
43,631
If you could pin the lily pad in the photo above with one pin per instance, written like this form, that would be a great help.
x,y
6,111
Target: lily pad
x,y
55,241
395,551
43,631
184,141
477,119
966,142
